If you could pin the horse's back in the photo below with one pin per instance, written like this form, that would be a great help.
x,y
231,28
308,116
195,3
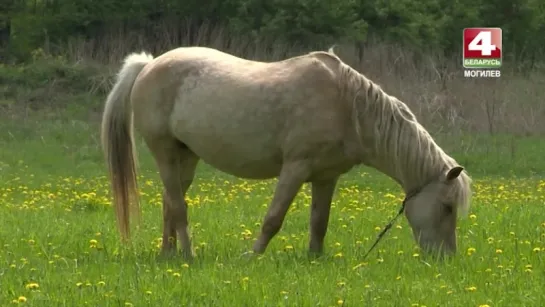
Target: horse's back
x,y
238,115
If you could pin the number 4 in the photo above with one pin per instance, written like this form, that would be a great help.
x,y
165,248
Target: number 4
x,y
485,46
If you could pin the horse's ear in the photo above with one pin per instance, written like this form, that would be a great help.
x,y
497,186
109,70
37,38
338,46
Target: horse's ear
x,y
454,173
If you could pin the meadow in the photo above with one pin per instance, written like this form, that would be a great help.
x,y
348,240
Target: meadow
x,y
60,247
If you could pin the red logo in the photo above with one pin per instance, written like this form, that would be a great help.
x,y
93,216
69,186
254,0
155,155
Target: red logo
x,y
482,47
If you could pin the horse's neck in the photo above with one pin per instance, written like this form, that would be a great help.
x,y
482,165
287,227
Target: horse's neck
x,y
379,152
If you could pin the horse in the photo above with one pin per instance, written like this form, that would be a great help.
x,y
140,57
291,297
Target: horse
x,y
305,119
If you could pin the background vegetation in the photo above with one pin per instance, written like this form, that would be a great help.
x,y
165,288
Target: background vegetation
x,y
423,25
412,48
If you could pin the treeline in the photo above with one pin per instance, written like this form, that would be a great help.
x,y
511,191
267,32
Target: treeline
x,y
26,25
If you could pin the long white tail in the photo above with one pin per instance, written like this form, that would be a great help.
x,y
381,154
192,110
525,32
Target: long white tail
x,y
117,140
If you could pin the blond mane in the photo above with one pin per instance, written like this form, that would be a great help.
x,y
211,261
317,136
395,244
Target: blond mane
x,y
403,148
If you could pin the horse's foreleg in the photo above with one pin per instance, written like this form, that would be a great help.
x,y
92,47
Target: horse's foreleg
x,y
292,177
322,195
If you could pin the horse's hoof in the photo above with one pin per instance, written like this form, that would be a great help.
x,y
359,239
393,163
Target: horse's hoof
x,y
188,256
315,254
167,253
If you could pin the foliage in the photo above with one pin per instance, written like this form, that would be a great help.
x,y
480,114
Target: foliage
x,y
423,25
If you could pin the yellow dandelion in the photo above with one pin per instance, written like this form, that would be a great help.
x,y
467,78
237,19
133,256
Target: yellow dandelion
x,y
176,274
400,252
338,255
185,265
21,299
337,244
499,251
536,250
341,284
32,286
471,289
79,284
473,216
398,277
340,302
416,255
288,247
470,251
484,305
246,279
101,283
148,292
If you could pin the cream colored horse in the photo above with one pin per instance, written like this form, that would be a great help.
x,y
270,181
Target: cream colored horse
x,y
309,118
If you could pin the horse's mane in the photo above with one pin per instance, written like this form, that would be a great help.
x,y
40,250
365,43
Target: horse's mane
x,y
416,157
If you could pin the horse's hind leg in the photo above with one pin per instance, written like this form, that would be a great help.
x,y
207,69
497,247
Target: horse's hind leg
x,y
176,166
188,163
322,195
291,178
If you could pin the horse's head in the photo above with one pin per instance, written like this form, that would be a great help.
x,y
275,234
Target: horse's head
x,y
432,212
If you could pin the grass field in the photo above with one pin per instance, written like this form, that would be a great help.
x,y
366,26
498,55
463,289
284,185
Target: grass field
x,y
59,243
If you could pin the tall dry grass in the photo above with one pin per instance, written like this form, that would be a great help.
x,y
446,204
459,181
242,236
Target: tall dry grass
x,y
433,86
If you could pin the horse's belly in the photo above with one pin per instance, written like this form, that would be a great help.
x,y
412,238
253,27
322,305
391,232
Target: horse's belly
x,y
250,170
237,160
239,152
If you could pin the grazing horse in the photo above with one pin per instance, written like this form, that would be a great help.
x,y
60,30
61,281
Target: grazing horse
x,y
309,118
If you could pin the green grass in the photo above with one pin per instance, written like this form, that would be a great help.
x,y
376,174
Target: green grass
x,y
54,202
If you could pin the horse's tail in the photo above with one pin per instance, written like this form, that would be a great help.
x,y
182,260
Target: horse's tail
x,y
117,140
